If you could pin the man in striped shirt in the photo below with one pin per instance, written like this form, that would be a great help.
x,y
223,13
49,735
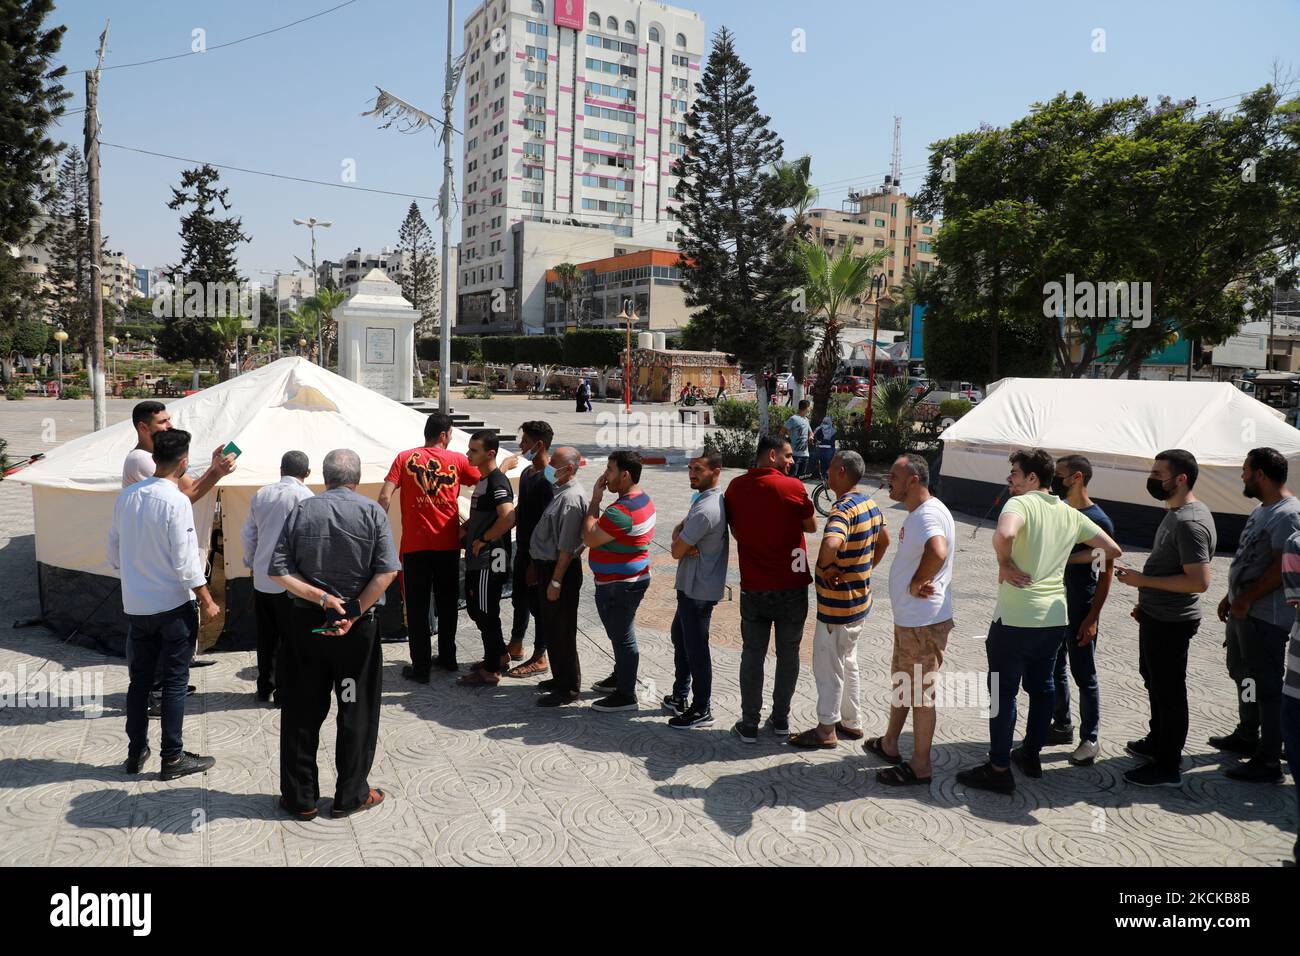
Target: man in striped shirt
x,y
1291,682
853,542
619,543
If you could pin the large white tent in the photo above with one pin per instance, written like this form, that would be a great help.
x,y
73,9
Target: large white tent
x,y
1120,425
288,404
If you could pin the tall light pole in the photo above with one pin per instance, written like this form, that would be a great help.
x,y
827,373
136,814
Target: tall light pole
x,y
877,287
277,273
112,344
629,318
311,222
60,336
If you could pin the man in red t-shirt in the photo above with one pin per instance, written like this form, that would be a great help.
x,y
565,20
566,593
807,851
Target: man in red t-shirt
x,y
430,478
768,512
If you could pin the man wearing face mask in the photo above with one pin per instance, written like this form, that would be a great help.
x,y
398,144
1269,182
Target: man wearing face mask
x,y
1258,619
556,547
1087,583
1168,614
535,493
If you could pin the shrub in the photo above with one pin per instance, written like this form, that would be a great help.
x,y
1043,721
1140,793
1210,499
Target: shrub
x,y
73,390
776,416
734,413
736,446
477,391
14,393
954,407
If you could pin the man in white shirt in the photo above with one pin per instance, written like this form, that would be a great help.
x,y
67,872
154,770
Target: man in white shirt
x,y
149,419
153,545
920,593
266,514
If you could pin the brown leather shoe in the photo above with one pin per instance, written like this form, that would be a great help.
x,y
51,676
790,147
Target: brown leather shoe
x,y
373,799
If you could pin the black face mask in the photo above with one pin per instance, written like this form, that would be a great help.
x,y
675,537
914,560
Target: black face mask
x,y
1059,487
1156,489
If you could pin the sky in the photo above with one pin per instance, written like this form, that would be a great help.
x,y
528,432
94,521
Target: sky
x,y
290,102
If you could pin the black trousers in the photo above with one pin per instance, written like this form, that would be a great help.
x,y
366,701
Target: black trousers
x,y
436,572
559,621
1162,653
483,589
271,612
311,667
525,601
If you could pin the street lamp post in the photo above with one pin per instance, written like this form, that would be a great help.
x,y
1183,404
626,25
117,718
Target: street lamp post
x,y
311,222
877,287
279,344
112,344
628,317
61,336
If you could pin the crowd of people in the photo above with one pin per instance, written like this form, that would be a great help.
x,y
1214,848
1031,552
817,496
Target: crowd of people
x,y
321,564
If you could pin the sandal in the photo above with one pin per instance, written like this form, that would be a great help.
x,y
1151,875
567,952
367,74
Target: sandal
x,y
528,669
307,814
373,799
901,776
478,678
516,651
872,746
848,733
811,740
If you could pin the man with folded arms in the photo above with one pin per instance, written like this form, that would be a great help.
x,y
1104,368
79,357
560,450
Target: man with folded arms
x,y
335,557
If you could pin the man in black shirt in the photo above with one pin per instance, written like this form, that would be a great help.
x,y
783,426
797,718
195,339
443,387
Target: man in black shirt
x,y
487,556
535,493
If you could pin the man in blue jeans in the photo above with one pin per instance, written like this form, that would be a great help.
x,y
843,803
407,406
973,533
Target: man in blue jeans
x,y
700,545
153,545
1035,535
619,543
1087,583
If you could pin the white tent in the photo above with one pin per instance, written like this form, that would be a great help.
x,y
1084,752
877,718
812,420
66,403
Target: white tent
x,y
289,404
1120,425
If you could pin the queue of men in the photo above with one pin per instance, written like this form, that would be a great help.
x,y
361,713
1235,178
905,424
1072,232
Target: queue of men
x,y
321,564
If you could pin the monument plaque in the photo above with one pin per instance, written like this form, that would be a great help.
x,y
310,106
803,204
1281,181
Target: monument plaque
x,y
377,337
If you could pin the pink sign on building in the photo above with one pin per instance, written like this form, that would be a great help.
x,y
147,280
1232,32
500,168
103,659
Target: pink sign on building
x,y
568,13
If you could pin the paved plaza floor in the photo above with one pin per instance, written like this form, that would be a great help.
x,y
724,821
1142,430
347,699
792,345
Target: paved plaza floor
x,y
483,776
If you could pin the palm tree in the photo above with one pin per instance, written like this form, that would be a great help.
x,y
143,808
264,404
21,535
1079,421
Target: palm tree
x,y
832,286
229,328
893,402
322,305
798,195
569,289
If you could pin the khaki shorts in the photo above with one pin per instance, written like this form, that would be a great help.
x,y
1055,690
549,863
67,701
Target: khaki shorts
x,y
918,651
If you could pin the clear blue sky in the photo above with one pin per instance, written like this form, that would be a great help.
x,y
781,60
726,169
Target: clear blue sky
x,y
290,102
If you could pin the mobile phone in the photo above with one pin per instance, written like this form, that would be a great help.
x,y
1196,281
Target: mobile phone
x,y
232,449
328,629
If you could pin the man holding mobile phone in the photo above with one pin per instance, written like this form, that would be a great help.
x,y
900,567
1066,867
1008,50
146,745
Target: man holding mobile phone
x,y
336,558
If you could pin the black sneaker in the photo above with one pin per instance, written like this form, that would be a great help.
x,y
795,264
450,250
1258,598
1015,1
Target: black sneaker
x,y
1152,776
676,703
692,719
1255,770
184,765
557,698
549,684
1030,765
1060,735
410,673
613,702
1235,743
1143,749
780,726
746,732
607,686
446,665
136,764
984,777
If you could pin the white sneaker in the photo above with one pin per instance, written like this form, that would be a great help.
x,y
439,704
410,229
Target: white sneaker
x,y
1085,753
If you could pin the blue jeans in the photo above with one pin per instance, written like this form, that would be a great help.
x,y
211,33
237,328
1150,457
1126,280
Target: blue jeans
x,y
163,640
1083,666
1019,654
824,456
616,604
800,465
1291,737
691,663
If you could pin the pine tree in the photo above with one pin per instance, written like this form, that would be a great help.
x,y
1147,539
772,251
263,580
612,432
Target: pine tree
x,y
32,98
419,271
736,269
69,269
207,257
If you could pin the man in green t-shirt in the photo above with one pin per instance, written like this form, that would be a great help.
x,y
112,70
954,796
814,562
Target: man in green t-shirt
x,y
1035,534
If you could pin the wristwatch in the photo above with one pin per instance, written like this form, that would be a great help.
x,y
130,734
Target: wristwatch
x,y
323,596
555,584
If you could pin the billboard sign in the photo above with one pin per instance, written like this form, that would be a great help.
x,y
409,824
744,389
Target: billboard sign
x,y
568,13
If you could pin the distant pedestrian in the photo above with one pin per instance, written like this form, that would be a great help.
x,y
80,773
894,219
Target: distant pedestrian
x,y
823,440
799,431
1168,612
259,536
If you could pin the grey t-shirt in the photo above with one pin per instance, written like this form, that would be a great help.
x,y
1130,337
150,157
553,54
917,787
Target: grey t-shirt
x,y
799,430
1185,536
336,541
560,527
704,578
1267,530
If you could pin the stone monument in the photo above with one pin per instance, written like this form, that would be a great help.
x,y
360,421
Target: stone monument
x,y
377,337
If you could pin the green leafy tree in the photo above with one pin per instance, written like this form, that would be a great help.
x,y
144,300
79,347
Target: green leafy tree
x,y
601,349
736,271
32,99
70,267
798,195
420,270
322,306
569,289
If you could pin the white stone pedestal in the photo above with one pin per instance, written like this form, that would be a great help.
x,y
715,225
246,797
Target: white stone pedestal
x,y
377,337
